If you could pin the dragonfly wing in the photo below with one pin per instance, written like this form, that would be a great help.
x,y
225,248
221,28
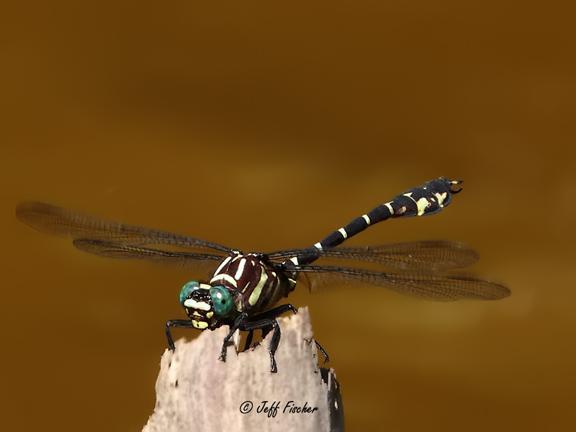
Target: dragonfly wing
x,y
424,285
56,220
434,255
122,250
430,255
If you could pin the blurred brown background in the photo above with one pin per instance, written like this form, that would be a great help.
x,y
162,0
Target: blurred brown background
x,y
266,126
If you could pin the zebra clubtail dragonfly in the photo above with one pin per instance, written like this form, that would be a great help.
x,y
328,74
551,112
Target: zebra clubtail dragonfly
x,y
245,288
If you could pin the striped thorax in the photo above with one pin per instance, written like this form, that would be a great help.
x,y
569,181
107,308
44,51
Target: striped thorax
x,y
241,283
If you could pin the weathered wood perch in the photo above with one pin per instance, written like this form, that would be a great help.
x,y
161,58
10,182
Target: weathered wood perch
x,y
195,392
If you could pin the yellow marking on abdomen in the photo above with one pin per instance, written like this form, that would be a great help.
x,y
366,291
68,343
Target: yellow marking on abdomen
x,y
422,205
441,197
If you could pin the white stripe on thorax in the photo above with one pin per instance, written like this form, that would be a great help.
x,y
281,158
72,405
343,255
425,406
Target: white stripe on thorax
x,y
240,269
253,299
225,277
222,264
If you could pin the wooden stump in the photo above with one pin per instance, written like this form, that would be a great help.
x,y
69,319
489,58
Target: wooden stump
x,y
196,392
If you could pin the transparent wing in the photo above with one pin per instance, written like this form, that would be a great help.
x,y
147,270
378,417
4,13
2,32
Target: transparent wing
x,y
56,220
429,286
121,250
430,255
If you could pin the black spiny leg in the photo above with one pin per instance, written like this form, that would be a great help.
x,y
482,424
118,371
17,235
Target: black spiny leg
x,y
267,324
235,326
276,312
175,323
249,340
321,349
271,314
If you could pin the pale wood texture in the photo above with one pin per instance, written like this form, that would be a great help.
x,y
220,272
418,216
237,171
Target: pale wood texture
x,y
197,392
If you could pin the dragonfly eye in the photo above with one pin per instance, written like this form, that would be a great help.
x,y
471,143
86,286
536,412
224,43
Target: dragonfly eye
x,y
222,300
187,290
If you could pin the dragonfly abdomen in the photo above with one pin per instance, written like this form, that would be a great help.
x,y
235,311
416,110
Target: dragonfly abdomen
x,y
424,200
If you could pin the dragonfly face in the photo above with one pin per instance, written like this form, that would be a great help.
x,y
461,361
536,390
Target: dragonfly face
x,y
206,305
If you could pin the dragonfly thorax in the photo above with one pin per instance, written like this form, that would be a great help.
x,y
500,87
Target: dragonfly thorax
x,y
253,282
241,283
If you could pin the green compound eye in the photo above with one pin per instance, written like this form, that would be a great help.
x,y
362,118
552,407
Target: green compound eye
x,y
187,289
222,300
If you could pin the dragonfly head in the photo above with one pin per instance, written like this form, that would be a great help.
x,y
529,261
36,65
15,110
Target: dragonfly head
x,y
204,304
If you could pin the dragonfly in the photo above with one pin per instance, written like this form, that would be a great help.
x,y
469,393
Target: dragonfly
x,y
244,290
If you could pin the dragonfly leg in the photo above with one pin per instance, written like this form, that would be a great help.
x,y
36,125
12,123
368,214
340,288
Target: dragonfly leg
x,y
277,311
323,351
235,326
175,323
267,324
271,314
249,339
